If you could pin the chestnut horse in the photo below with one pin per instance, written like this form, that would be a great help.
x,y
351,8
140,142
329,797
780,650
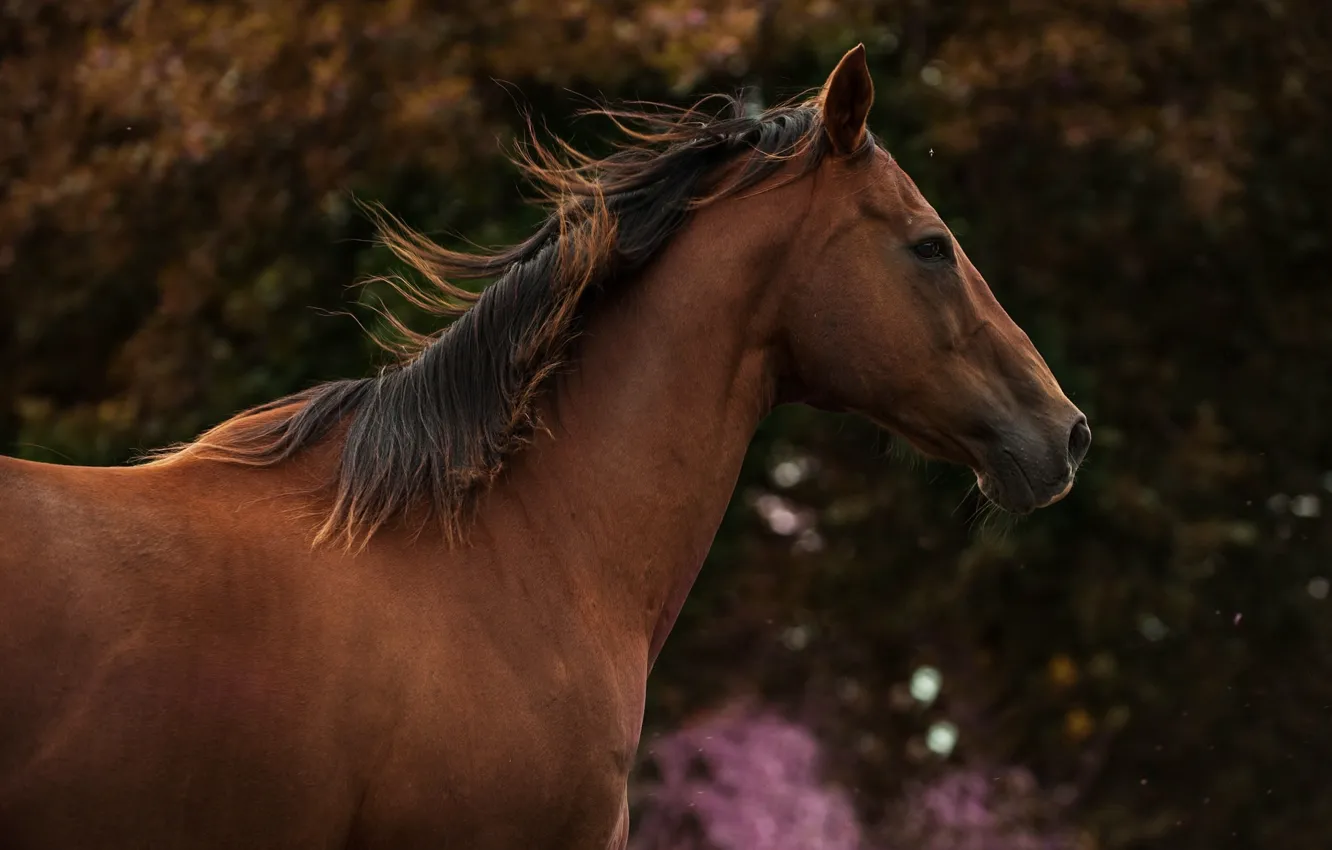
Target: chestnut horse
x,y
419,610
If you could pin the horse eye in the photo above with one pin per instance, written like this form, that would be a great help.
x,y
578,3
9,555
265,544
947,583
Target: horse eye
x,y
931,250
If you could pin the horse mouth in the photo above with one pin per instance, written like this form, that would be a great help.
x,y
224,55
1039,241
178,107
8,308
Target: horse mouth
x,y
1008,484
1000,476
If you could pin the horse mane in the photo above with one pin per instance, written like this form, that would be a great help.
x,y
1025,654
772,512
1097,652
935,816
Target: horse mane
x,y
435,429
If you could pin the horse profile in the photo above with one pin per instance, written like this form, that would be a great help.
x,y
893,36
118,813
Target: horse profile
x,y
420,609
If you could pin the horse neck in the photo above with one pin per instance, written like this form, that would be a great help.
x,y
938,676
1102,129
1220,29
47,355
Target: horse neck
x,y
649,431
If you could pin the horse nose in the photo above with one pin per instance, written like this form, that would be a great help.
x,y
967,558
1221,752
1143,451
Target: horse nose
x,y
1079,440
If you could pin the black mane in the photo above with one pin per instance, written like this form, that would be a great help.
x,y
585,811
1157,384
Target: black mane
x,y
436,429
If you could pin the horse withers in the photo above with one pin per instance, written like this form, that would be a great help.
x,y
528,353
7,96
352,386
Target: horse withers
x,y
420,609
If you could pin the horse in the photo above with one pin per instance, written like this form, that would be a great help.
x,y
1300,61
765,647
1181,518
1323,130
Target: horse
x,y
420,609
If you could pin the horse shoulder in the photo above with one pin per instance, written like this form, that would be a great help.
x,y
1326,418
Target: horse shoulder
x,y
517,727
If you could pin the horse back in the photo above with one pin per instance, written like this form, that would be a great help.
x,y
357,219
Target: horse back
x,y
144,658
179,664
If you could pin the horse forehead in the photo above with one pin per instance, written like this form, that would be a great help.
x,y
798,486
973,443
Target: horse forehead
x,y
889,188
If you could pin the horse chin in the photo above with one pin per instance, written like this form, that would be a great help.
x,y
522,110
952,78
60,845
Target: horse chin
x,y
1009,496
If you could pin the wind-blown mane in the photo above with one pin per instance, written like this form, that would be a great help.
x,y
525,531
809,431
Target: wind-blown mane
x,y
435,429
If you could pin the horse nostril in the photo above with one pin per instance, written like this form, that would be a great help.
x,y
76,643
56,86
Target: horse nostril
x,y
1079,440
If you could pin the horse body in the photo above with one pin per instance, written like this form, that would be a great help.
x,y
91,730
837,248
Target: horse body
x,y
184,667
240,677
162,657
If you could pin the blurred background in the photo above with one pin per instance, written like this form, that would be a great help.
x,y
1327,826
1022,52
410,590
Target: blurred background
x,y
1146,184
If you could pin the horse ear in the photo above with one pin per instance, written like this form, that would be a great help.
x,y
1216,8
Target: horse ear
x,y
846,100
